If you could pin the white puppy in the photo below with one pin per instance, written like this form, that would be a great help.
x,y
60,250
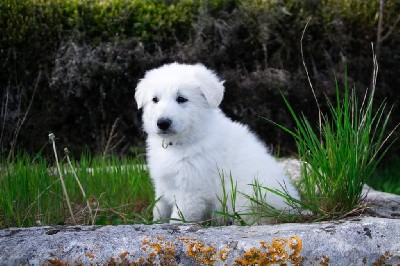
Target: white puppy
x,y
191,144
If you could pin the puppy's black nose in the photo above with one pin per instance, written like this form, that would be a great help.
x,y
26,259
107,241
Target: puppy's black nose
x,y
164,123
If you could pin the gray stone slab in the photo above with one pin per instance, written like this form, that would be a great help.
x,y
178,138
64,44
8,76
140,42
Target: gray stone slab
x,y
356,241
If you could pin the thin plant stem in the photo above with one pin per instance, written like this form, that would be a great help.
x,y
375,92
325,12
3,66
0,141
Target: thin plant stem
x,y
80,185
18,129
112,136
52,139
308,76
4,115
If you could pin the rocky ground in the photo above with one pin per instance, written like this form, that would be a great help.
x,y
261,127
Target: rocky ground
x,y
355,241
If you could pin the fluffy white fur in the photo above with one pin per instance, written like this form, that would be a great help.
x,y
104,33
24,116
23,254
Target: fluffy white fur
x,y
191,143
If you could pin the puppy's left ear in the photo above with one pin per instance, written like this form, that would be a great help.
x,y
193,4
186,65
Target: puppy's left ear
x,y
140,96
210,85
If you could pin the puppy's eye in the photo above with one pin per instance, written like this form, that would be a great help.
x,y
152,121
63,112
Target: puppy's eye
x,y
181,99
155,100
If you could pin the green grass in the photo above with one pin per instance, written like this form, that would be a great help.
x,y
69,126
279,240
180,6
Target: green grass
x,y
341,154
387,178
259,210
118,191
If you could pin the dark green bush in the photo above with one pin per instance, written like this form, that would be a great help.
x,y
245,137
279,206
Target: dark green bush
x,y
32,32
145,19
91,53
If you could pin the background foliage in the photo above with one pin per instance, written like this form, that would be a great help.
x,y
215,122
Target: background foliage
x,y
71,66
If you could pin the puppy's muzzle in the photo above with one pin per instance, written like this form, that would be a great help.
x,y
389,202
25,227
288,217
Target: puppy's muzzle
x,y
164,124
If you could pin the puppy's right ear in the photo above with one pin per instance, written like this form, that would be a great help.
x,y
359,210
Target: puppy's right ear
x,y
140,95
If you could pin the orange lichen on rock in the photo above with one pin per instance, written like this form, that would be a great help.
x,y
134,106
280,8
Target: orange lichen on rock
x,y
123,255
223,254
382,260
280,251
325,261
163,250
202,254
56,262
295,245
252,257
